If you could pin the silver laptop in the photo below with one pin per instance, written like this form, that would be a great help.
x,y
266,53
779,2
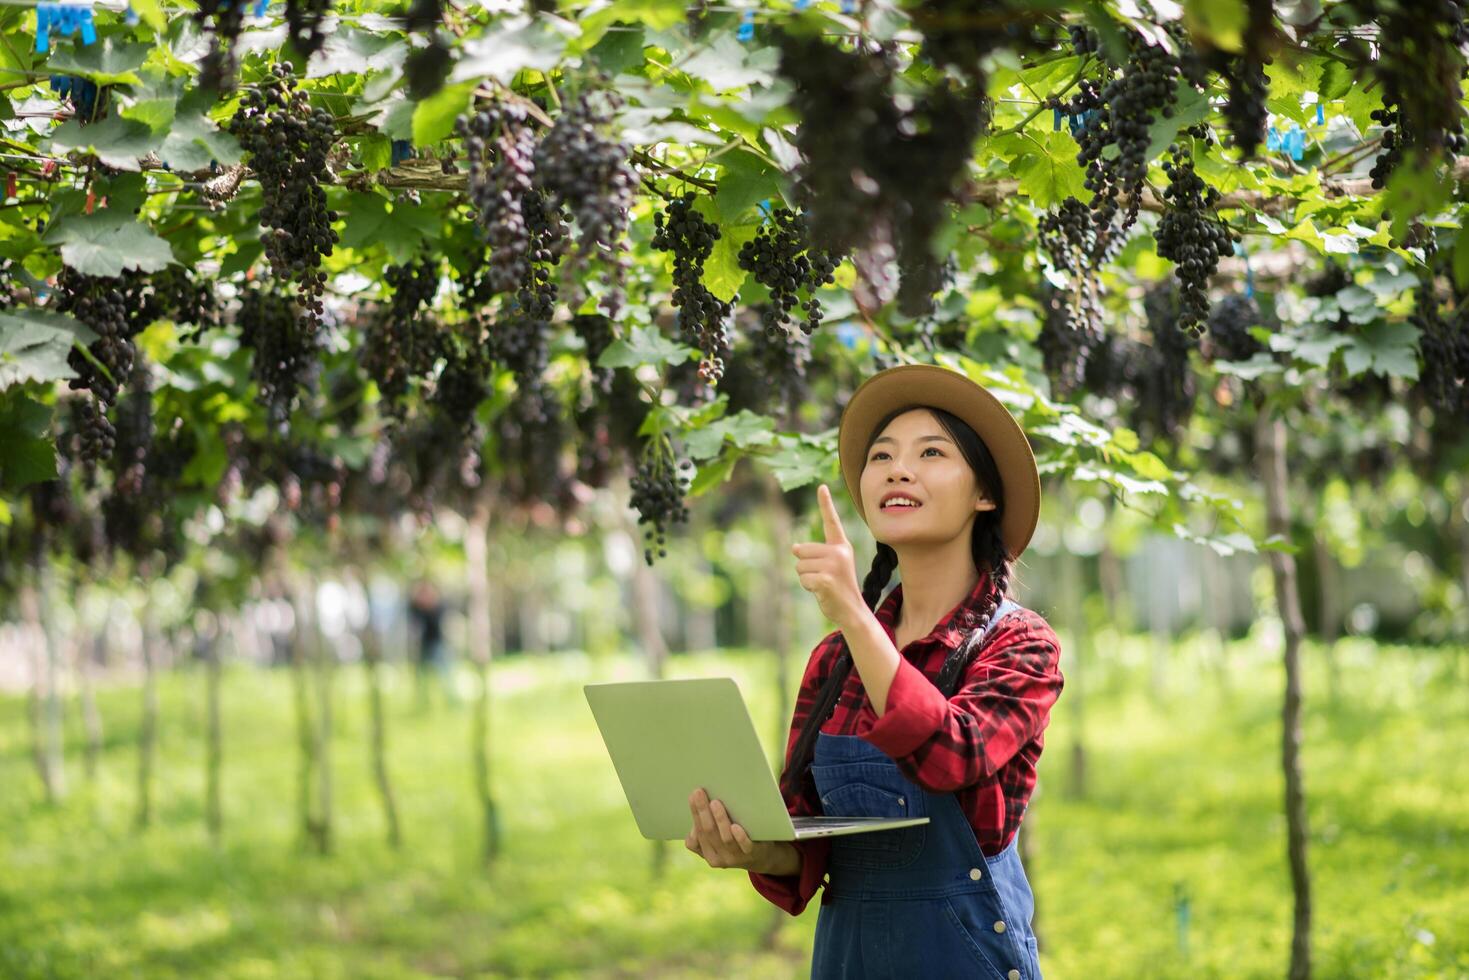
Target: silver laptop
x,y
666,738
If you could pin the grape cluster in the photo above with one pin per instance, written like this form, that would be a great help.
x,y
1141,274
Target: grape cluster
x,y
881,160
769,373
98,302
658,494
702,316
288,143
1190,234
1245,112
134,432
783,259
583,165
1420,72
1077,247
1443,381
222,20
1167,387
285,346
1229,321
1065,343
185,300
500,146
303,22
403,340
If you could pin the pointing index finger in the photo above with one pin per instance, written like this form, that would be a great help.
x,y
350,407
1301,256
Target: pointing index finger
x,y
835,533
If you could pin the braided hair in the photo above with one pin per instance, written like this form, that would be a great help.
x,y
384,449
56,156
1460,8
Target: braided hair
x,y
988,550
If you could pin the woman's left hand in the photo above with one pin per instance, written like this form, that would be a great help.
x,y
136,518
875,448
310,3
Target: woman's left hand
x,y
828,569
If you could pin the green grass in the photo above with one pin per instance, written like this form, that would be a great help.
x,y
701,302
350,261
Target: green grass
x,y
1184,794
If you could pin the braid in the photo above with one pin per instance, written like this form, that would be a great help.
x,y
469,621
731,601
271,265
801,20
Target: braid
x,y
989,550
883,565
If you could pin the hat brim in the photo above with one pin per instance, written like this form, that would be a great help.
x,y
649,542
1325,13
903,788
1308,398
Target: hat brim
x,y
941,387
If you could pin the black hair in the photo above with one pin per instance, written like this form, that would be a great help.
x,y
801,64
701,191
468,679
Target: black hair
x,y
985,545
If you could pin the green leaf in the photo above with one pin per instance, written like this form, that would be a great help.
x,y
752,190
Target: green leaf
x,y
619,50
725,65
433,120
500,54
1257,366
118,142
151,13
193,140
1389,349
1336,81
111,61
352,51
644,345
25,460
34,345
1192,108
1220,22
712,474
804,460
1461,262
1416,187
1313,344
106,243
722,273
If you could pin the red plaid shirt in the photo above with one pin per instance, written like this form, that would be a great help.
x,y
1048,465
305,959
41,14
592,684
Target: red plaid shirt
x,y
982,744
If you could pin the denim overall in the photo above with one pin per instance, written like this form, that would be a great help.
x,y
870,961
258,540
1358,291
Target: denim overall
x,y
919,901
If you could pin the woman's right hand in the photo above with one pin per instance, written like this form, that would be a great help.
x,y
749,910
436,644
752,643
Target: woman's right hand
x,y
725,844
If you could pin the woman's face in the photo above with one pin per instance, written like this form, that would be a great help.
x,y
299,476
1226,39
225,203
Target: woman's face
x,y
915,455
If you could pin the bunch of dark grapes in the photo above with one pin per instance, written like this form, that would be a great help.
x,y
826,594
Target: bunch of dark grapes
x,y
583,165
1071,239
303,21
285,346
1084,41
222,21
463,383
403,339
769,372
597,333
186,301
782,259
880,163
1420,65
98,302
962,33
1168,387
1229,321
1443,381
1065,343
288,143
703,318
658,494
1245,78
1190,234
426,68
500,146
1145,89
134,432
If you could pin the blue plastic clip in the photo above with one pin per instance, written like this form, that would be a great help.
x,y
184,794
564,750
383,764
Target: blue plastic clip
x,y
848,6
130,16
402,150
1240,250
1055,120
89,30
746,31
764,207
260,6
1292,141
802,4
1320,115
43,26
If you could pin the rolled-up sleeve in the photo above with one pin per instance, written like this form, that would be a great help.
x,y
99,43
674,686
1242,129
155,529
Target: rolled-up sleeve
x,y
793,892
945,744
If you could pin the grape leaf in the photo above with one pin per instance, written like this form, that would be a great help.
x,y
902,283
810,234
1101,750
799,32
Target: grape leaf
x,y
118,142
644,345
106,243
1389,349
34,345
108,62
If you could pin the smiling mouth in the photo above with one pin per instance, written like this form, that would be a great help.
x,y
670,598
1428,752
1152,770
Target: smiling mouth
x,y
899,507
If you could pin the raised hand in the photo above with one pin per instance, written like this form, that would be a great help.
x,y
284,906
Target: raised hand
x,y
828,569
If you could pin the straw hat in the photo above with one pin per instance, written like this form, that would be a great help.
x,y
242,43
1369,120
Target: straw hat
x,y
941,387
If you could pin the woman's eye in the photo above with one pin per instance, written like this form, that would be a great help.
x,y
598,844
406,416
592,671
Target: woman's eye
x,y
928,449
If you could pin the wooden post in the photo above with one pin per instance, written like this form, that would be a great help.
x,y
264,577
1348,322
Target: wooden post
x,y
1271,459
481,649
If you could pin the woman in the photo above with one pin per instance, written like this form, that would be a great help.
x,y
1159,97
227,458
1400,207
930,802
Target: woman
x,y
931,707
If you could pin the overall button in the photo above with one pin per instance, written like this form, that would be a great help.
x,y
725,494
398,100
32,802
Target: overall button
x,y
1013,975
999,926
975,874
901,801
